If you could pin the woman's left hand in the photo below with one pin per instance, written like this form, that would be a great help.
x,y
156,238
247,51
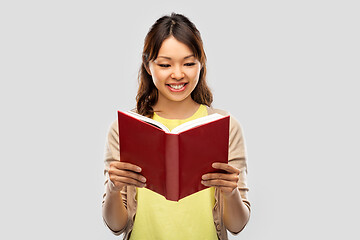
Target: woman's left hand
x,y
226,182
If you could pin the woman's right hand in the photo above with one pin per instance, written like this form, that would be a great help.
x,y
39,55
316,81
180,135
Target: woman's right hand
x,y
125,174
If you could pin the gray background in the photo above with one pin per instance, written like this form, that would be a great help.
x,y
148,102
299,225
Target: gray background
x,y
288,70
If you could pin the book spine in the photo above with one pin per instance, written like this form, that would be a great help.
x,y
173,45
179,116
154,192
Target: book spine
x,y
172,166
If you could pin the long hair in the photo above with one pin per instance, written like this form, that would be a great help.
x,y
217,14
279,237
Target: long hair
x,y
183,30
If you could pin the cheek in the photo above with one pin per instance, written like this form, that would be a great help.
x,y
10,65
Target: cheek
x,y
159,77
194,75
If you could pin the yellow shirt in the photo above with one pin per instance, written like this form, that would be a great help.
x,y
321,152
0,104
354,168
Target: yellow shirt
x,y
189,218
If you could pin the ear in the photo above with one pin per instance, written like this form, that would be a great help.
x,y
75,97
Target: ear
x,y
146,66
201,66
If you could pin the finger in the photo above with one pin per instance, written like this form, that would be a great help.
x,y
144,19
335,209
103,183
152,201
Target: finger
x,y
127,181
225,166
126,173
219,183
125,166
224,176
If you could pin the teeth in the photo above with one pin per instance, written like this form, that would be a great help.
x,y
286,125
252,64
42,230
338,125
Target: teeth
x,y
176,86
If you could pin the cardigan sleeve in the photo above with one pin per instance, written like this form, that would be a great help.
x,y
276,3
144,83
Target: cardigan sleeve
x,y
238,159
112,153
237,156
237,153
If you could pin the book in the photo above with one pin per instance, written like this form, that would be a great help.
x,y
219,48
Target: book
x,y
173,162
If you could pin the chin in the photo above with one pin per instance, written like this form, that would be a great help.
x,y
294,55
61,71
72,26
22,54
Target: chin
x,y
177,99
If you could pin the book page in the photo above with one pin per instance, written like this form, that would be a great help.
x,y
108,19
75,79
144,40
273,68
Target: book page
x,y
148,120
196,122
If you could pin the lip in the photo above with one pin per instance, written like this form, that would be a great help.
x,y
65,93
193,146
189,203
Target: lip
x,y
176,84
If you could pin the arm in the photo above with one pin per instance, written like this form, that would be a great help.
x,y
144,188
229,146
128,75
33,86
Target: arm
x,y
118,175
236,213
237,205
233,184
114,211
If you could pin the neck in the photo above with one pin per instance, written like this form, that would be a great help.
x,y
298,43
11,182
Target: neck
x,y
176,110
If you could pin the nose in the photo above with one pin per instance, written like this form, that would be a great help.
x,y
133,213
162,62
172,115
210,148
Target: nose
x,y
177,74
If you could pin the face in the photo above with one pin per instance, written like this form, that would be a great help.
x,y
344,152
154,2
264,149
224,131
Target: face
x,y
175,72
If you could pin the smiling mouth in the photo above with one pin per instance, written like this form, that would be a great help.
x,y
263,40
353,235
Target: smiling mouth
x,y
177,86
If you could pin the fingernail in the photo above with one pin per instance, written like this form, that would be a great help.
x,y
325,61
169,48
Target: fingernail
x,y
143,179
138,169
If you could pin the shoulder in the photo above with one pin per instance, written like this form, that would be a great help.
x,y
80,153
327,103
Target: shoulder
x,y
114,125
235,127
212,110
233,120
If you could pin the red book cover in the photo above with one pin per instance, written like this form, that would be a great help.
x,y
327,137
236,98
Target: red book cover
x,y
173,163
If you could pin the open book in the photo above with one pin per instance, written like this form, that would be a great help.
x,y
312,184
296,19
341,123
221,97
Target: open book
x,y
173,162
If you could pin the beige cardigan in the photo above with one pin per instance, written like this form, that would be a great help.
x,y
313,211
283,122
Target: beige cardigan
x,y
237,158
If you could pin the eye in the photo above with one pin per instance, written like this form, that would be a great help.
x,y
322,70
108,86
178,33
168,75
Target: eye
x,y
164,65
190,64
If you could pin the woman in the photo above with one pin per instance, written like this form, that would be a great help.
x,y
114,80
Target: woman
x,y
173,90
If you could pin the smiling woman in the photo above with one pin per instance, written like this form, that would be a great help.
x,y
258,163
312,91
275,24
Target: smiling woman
x,y
175,46
173,90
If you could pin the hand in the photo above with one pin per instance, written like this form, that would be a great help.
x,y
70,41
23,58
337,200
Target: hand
x,y
125,174
226,182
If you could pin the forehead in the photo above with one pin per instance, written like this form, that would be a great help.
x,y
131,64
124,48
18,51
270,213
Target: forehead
x,y
174,49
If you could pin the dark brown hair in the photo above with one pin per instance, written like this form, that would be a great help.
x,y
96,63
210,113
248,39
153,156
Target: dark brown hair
x,y
183,30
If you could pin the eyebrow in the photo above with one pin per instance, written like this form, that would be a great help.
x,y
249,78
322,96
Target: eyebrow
x,y
169,58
